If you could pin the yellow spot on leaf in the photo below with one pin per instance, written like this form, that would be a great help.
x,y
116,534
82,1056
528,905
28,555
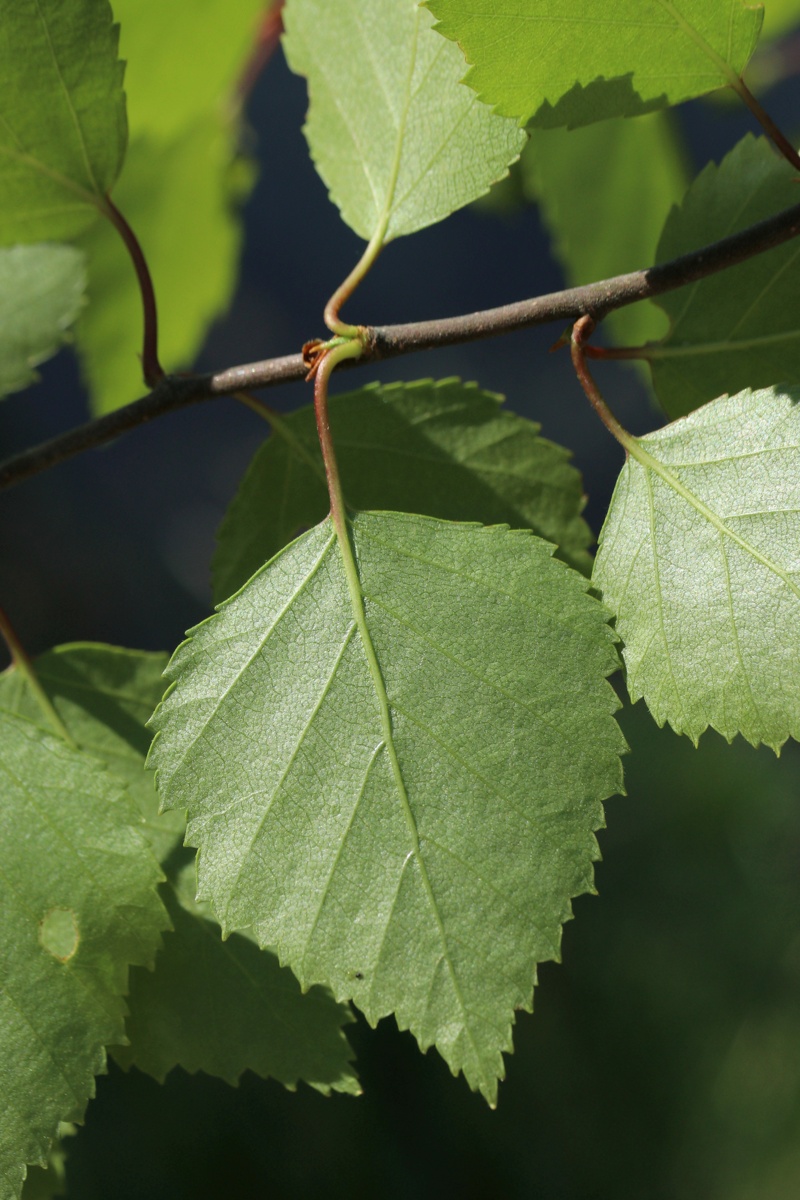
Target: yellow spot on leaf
x,y
58,933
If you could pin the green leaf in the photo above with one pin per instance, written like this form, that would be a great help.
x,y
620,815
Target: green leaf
x,y
441,449
78,905
605,193
398,141
63,133
226,1007
394,770
180,191
41,293
590,60
183,59
104,695
698,559
741,327
179,197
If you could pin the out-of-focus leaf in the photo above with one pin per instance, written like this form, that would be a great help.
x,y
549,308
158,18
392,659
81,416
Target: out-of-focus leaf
x,y
605,192
180,198
780,17
41,293
183,59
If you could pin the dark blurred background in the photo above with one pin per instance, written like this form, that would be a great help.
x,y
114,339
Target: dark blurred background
x,y
663,1059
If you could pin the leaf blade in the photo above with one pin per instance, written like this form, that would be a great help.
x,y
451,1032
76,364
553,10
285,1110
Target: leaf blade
x,y
42,291
584,61
69,933
383,937
62,150
708,614
104,695
386,108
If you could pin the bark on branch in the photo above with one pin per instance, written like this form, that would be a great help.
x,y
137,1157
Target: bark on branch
x,y
390,341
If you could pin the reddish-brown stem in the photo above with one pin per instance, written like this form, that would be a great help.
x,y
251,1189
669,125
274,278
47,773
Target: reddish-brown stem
x,y
582,331
768,125
151,367
325,368
267,41
23,664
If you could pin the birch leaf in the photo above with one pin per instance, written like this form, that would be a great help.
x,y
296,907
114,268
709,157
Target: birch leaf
x,y
78,906
63,128
393,757
699,560
741,327
398,141
104,695
580,61
41,293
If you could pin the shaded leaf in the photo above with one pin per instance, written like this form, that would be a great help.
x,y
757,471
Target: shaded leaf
x,y
741,327
226,1007
63,133
47,1183
180,198
104,695
591,60
78,905
394,770
699,560
604,193
398,141
442,449
41,293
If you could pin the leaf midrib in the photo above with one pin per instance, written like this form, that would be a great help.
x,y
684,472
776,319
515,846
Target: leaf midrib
x,y
68,100
356,594
732,346
725,69
386,214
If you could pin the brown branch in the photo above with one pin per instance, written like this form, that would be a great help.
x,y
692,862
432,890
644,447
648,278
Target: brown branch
x,y
390,341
